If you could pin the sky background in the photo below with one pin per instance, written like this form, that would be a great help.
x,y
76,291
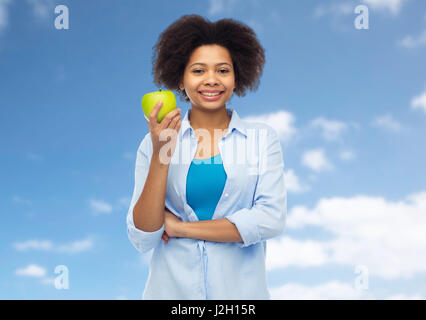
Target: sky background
x,y
349,105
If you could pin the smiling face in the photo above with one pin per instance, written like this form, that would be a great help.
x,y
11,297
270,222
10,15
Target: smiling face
x,y
209,68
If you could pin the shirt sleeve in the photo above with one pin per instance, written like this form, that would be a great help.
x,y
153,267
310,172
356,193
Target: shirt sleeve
x,y
267,217
143,241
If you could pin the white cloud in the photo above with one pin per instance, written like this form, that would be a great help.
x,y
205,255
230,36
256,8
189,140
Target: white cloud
x,y
344,8
31,270
255,25
292,182
281,121
405,297
20,200
316,160
34,157
217,7
276,17
42,8
103,207
124,202
334,9
4,14
394,6
347,155
60,74
419,102
286,251
129,155
413,42
76,246
333,290
330,129
100,207
49,281
36,271
44,245
388,122
47,245
385,236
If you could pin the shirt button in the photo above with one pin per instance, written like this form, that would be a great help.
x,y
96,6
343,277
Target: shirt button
x,y
226,194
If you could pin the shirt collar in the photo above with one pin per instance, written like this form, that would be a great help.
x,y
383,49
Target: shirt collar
x,y
236,123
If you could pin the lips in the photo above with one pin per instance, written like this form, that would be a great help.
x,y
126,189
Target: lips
x,y
211,98
210,91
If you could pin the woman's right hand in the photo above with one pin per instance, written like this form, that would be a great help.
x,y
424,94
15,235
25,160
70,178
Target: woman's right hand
x,y
172,122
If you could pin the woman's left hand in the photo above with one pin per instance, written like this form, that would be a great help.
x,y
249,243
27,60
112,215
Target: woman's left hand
x,y
172,226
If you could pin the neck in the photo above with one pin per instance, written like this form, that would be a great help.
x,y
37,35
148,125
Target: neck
x,y
209,120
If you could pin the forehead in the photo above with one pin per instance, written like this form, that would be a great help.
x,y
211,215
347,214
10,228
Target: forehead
x,y
210,55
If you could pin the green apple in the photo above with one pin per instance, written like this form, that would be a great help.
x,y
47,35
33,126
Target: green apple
x,y
149,101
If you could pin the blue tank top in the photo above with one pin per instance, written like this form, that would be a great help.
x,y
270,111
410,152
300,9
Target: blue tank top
x,y
204,185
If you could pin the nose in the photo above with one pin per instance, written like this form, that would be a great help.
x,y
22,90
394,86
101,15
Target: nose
x,y
211,78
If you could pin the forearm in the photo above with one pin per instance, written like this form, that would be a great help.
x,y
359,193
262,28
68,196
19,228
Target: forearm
x,y
219,230
148,213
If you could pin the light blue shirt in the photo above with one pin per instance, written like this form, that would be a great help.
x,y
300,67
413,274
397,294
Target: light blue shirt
x,y
254,198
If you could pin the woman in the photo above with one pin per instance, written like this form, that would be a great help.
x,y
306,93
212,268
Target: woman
x,y
208,204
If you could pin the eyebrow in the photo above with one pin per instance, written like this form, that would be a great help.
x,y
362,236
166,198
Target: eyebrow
x,y
217,64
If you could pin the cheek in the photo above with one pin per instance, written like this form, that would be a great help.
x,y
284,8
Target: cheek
x,y
230,84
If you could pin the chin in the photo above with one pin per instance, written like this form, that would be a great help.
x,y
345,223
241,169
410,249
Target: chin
x,y
210,107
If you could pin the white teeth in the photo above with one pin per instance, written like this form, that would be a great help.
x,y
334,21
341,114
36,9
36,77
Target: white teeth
x,y
210,94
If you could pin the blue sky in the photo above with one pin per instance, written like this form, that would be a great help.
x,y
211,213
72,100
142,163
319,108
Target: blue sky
x,y
349,105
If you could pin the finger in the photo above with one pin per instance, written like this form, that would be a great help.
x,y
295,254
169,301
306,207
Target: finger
x,y
179,125
154,112
166,123
174,122
169,117
164,237
147,119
